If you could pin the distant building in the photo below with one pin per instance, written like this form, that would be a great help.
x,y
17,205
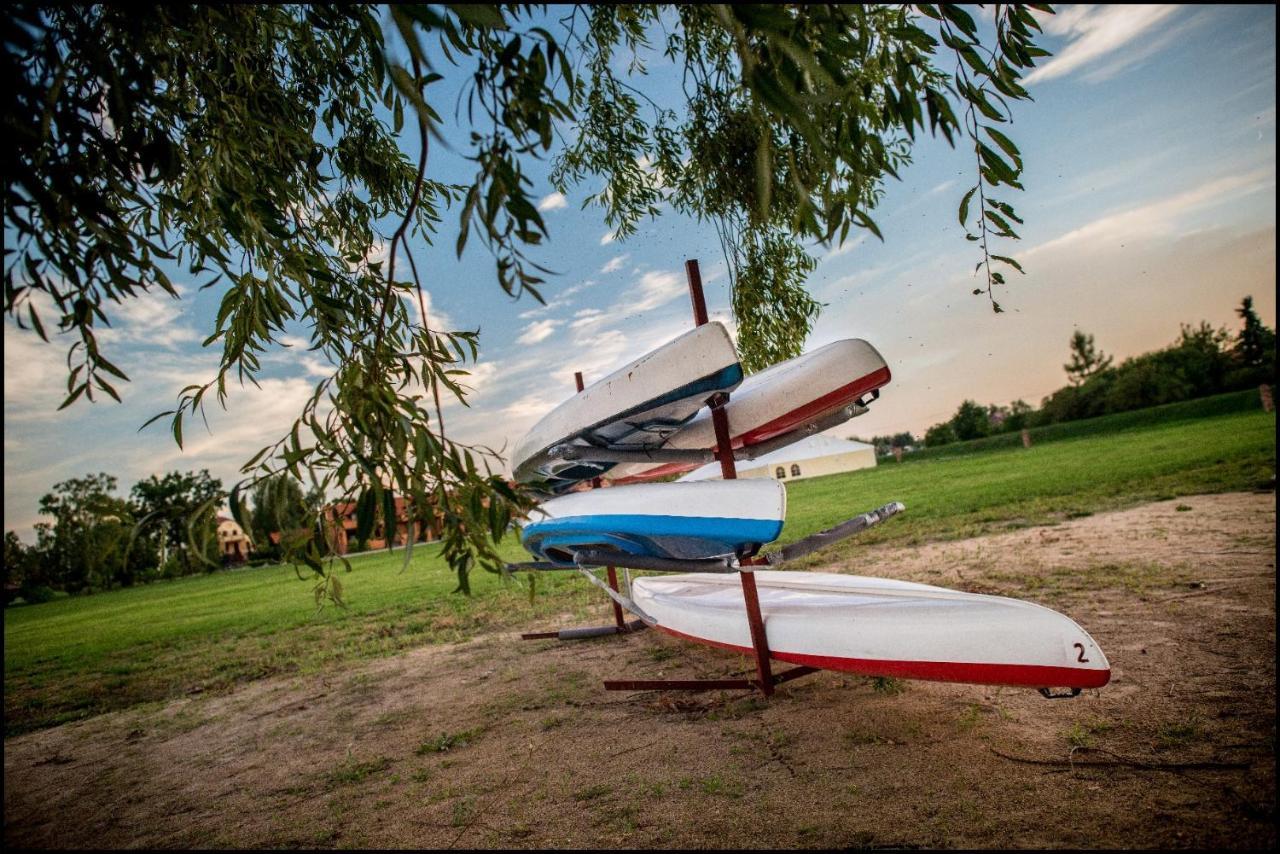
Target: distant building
x,y
811,457
233,543
427,527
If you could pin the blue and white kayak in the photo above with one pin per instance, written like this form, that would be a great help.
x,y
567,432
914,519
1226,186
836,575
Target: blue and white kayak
x,y
679,521
635,408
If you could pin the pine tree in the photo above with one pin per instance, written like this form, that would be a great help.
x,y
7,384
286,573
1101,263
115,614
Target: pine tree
x,y
1086,359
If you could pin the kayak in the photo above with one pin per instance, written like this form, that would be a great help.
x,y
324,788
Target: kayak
x,y
637,407
776,401
881,627
677,521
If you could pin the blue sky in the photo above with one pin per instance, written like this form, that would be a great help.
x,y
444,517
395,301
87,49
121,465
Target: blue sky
x,y
1150,201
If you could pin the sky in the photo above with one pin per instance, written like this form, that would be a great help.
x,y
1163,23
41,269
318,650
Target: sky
x,y
1149,202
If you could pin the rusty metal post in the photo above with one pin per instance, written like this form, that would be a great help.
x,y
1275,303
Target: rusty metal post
x,y
1026,438
729,471
618,618
694,275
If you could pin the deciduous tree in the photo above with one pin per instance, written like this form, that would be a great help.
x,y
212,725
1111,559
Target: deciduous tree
x,y
262,149
181,508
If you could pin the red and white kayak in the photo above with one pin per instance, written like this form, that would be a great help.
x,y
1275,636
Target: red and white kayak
x,y
881,627
775,401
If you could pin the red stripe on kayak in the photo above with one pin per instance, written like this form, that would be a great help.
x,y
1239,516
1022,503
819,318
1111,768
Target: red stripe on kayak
x,y
834,400
661,471
785,423
1020,675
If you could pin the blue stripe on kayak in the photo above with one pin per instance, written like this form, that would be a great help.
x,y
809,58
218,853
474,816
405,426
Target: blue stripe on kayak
x,y
566,479
717,528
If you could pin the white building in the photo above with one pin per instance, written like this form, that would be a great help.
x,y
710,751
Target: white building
x,y
811,457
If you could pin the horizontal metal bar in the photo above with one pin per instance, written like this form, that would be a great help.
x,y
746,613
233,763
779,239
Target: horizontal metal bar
x,y
536,566
589,453
600,558
599,631
677,684
832,535
586,632
793,673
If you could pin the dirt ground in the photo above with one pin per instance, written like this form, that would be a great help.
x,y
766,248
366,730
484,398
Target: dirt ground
x,y
504,743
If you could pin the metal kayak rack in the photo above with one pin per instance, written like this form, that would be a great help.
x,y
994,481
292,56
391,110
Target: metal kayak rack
x,y
744,564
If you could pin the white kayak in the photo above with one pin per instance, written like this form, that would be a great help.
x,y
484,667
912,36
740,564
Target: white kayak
x,y
634,408
881,627
776,401
679,521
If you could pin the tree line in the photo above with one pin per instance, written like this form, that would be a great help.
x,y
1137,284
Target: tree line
x,y
1202,361
165,527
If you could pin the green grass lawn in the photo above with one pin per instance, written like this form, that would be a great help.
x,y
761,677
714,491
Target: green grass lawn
x,y
79,656
971,494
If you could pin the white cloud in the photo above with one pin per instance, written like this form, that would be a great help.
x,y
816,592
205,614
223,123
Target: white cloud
x,y
436,320
532,406
151,319
846,247
537,331
579,287
1159,218
607,238
652,289
586,317
35,374
552,202
255,416
615,263
1096,32
479,383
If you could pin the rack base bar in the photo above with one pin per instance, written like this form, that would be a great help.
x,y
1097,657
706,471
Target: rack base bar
x,y
793,673
679,684
586,632
702,684
589,557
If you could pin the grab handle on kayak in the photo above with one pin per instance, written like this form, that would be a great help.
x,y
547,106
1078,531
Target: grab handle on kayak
x,y
844,530
1048,694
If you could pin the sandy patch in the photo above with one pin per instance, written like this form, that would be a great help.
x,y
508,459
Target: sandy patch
x,y
504,743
